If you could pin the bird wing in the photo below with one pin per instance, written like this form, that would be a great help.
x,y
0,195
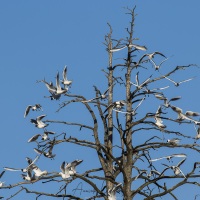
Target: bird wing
x,y
2,173
159,54
65,73
62,167
12,169
40,117
185,80
27,110
58,82
181,162
117,49
34,138
137,79
38,151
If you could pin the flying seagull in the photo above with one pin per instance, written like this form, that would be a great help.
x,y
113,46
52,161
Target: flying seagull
x,y
178,83
157,67
166,101
140,86
46,154
112,192
151,56
33,108
158,120
176,168
65,81
59,90
30,165
182,155
38,122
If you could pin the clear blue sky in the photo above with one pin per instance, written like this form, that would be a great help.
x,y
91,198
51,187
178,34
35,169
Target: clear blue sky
x,y
37,38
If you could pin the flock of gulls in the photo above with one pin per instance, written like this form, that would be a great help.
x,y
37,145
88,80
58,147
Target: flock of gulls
x,y
32,172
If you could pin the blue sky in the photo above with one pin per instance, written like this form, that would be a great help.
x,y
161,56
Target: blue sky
x,y
37,38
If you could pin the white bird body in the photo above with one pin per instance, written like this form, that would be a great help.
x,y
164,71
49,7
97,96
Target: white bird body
x,y
173,141
112,192
158,120
38,172
1,184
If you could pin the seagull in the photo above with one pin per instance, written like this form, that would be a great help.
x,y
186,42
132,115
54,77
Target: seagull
x,y
51,88
151,56
157,67
1,184
177,83
176,168
38,123
117,104
191,113
73,166
46,154
158,120
144,83
59,90
33,107
38,172
166,101
182,155
30,165
102,96
46,133
173,141
112,192
29,176
182,116
65,81
65,168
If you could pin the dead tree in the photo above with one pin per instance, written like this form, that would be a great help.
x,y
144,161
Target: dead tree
x,y
137,132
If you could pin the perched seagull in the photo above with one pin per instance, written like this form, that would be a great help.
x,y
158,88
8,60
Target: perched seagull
x,y
133,112
173,141
65,168
178,83
30,165
59,90
151,56
176,168
157,67
112,192
1,184
140,86
158,120
33,107
191,113
38,123
46,133
29,176
38,172
182,155
117,104
65,81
